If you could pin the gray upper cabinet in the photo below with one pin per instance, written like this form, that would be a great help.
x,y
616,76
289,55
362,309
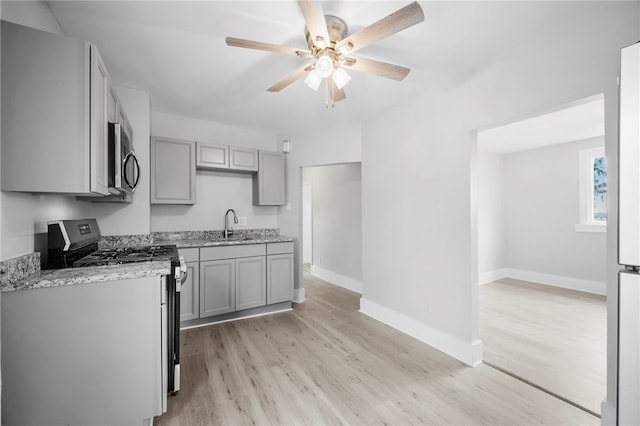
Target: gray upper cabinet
x,y
268,183
173,171
226,158
62,85
243,159
211,156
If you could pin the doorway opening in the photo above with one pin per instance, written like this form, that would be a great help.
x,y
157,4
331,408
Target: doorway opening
x,y
541,258
332,223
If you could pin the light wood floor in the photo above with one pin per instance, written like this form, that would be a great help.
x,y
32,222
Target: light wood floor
x,y
325,363
552,337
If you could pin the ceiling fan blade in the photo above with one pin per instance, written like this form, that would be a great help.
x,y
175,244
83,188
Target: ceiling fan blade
x,y
383,69
258,45
314,18
291,77
337,95
390,24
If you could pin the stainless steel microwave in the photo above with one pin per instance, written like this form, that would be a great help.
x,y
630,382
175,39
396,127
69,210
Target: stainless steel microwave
x,y
124,167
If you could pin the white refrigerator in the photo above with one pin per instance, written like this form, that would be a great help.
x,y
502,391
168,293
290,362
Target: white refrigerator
x,y
629,239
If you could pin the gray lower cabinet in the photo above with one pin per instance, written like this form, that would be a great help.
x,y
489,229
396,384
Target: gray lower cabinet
x,y
190,293
190,288
217,287
250,282
225,279
268,183
83,354
279,272
173,171
279,278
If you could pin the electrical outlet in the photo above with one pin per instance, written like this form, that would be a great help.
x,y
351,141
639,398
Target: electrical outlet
x,y
427,308
242,220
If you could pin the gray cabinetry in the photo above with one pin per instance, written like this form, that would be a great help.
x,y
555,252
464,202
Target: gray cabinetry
x,y
279,272
217,287
190,289
268,183
173,171
226,158
83,354
54,113
243,159
250,282
212,156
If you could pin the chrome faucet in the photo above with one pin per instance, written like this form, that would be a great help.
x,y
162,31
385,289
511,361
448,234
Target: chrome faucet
x,y
229,231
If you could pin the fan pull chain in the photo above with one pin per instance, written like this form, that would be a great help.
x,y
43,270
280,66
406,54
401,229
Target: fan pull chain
x,y
326,94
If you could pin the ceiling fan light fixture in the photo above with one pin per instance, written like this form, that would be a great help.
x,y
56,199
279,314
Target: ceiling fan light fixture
x,y
313,80
324,66
320,43
341,78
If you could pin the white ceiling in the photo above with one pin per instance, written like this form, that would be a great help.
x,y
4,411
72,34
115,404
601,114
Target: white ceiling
x,y
574,123
176,52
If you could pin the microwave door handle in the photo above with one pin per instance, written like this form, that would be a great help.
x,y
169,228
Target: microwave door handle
x,y
131,156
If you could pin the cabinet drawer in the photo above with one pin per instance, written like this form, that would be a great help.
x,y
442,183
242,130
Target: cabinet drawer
x,y
190,254
229,252
277,248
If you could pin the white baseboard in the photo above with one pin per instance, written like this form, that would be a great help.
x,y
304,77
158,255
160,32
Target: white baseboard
x,y
337,279
298,295
588,286
469,353
490,276
609,415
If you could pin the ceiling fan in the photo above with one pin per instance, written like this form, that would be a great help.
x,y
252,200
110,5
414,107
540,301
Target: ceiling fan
x,y
330,48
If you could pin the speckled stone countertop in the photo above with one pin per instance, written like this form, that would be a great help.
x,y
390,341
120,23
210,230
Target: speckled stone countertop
x,y
72,276
214,242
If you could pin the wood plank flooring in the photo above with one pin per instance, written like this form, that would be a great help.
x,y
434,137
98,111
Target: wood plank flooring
x,y
325,363
552,337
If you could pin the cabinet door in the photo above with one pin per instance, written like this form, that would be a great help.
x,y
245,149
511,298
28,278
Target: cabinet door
x,y
217,287
100,93
244,159
279,278
251,289
268,185
173,171
112,105
211,156
190,293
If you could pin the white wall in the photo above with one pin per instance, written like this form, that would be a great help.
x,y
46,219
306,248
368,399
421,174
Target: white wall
x,y
215,191
337,222
416,162
312,148
491,238
542,206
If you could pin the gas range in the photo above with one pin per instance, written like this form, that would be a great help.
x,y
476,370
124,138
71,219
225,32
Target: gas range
x,y
120,255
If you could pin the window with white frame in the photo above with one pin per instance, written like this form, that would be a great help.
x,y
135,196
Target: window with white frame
x,y
593,190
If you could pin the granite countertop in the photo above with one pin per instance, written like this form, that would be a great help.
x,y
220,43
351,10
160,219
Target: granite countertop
x,y
93,274
215,242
